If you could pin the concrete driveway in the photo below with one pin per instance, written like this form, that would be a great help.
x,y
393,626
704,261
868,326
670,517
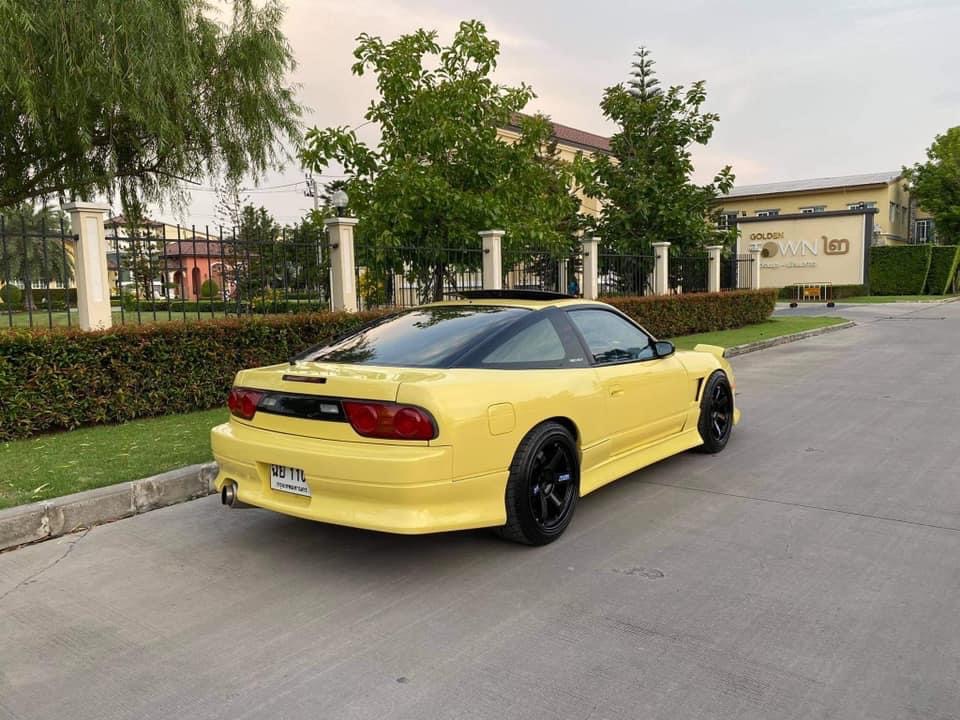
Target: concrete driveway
x,y
812,570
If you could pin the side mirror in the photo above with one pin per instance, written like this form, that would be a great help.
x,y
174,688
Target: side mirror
x,y
663,348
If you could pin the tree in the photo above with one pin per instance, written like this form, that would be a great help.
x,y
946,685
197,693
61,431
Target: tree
x,y
31,249
936,184
440,173
99,96
645,183
254,251
230,202
141,251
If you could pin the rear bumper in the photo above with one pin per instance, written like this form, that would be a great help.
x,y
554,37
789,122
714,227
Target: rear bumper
x,y
391,488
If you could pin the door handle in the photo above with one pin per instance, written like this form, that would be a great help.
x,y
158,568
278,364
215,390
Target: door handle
x,y
616,391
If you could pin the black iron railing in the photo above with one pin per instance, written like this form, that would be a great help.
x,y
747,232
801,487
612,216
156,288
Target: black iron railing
x,y
37,274
624,274
410,276
172,272
553,268
735,272
688,273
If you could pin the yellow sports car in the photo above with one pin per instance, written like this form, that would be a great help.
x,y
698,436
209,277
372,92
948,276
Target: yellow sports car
x,y
499,410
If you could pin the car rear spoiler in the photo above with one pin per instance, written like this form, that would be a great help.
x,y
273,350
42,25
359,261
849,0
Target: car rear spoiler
x,y
714,350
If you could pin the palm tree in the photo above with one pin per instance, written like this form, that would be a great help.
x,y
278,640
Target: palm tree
x,y
34,248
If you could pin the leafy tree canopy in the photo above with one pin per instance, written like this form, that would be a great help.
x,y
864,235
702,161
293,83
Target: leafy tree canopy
x,y
645,183
936,184
104,95
440,173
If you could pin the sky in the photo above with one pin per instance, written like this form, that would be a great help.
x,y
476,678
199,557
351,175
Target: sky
x,y
803,89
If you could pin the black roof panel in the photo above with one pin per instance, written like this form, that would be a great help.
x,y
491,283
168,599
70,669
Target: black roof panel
x,y
513,295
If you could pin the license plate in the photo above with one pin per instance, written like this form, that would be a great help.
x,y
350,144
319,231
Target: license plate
x,y
289,479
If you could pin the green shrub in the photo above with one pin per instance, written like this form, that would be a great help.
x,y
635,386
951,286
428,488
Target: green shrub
x,y
61,379
899,270
209,289
943,268
58,298
673,315
11,295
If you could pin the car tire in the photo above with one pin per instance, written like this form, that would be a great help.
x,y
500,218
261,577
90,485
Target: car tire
x,y
543,486
716,413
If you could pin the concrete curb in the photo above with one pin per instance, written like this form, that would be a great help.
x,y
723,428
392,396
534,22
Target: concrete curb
x,y
38,521
784,339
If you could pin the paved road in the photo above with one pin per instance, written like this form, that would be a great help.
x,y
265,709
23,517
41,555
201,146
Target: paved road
x,y
810,571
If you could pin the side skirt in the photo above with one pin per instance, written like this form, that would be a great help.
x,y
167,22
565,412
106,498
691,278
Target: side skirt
x,y
632,461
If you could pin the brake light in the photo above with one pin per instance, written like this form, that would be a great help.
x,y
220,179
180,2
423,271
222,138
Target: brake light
x,y
389,420
243,402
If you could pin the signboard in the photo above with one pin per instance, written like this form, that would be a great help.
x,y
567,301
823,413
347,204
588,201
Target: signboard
x,y
807,248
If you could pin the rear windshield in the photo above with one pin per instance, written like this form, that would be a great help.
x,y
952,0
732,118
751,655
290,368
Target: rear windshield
x,y
425,337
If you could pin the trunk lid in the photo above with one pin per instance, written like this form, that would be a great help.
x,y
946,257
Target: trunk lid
x,y
301,398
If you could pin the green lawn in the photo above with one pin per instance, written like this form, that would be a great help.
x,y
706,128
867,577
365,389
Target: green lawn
x,y
53,465
894,298
62,463
774,327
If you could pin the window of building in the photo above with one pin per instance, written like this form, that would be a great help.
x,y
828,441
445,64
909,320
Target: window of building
x,y
727,220
862,205
768,213
810,209
923,230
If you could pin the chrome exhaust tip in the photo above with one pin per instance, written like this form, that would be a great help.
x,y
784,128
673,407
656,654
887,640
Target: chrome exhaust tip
x,y
228,497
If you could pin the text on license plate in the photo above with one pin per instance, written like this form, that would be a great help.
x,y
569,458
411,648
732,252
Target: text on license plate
x,y
289,479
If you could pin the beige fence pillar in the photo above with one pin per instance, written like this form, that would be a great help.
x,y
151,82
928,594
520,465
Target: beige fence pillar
x,y
90,265
755,266
492,259
713,267
343,276
591,275
661,268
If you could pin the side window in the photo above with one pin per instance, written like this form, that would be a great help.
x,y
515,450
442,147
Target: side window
x,y
536,343
611,339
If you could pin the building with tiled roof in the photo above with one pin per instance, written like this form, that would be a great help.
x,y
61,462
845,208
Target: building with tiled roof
x,y
897,219
570,143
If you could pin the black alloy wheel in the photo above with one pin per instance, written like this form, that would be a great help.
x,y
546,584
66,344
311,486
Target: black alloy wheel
x,y
716,413
543,487
551,486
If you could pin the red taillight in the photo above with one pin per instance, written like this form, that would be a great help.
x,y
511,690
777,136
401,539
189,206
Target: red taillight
x,y
389,420
243,403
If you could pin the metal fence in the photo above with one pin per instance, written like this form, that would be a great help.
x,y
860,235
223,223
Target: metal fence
x,y
556,269
735,272
624,274
192,273
161,272
688,274
37,287
158,272
410,276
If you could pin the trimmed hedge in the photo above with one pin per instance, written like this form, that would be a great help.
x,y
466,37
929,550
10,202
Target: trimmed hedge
x,y
899,270
944,260
673,315
61,379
